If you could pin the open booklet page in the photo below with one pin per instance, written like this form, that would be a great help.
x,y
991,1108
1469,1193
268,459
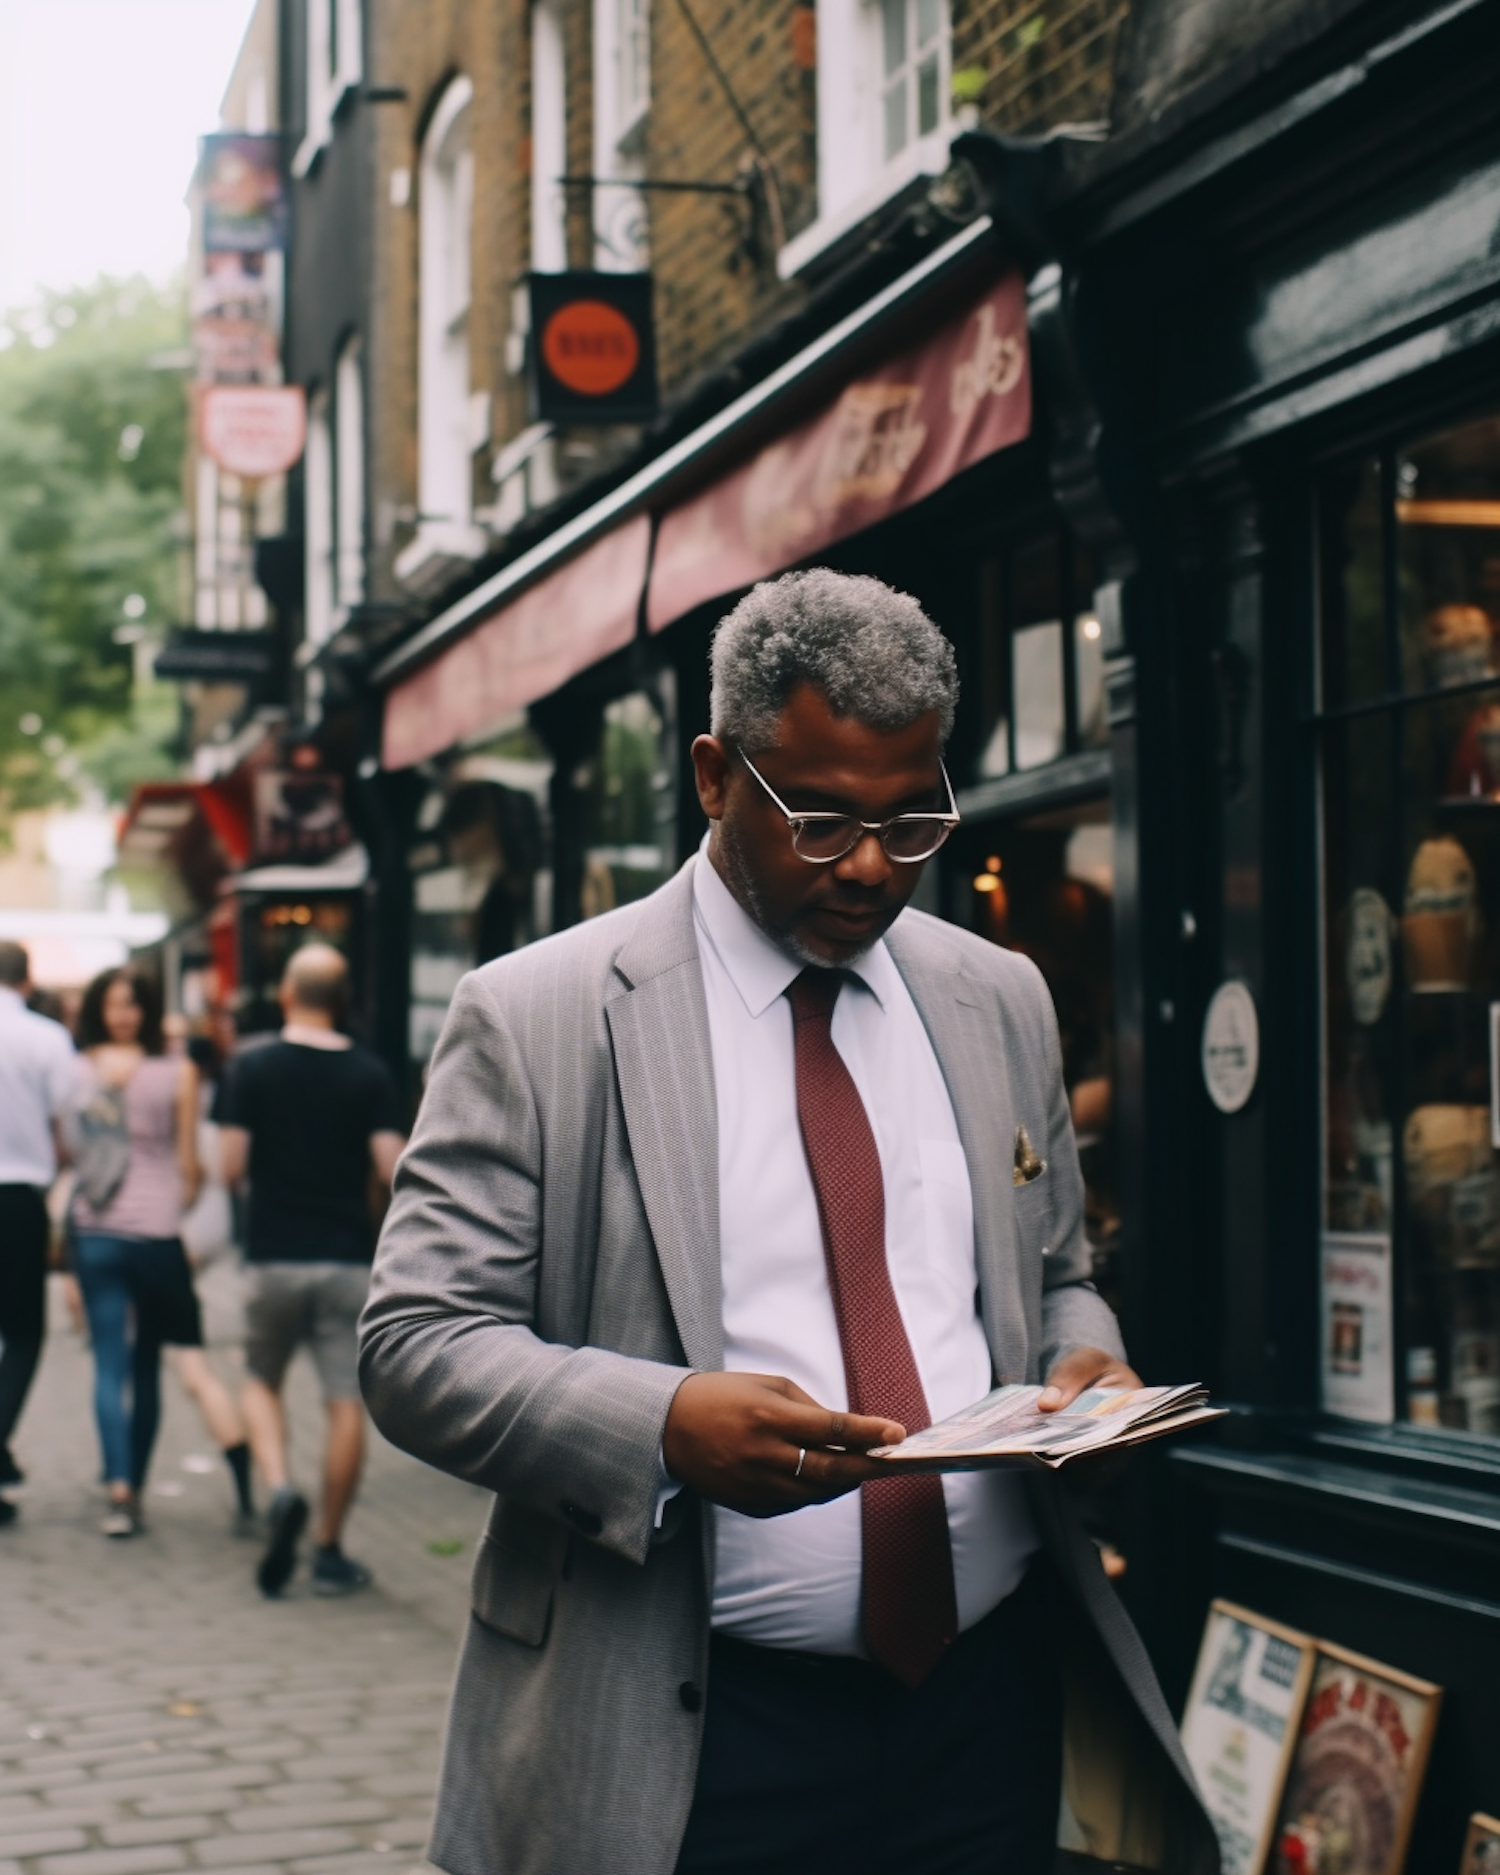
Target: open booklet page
x,y
1006,1427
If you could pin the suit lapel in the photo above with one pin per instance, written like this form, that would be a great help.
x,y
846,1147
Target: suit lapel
x,y
963,1023
664,1068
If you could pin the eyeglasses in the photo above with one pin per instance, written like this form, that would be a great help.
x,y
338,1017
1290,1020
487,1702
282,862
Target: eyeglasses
x,y
823,838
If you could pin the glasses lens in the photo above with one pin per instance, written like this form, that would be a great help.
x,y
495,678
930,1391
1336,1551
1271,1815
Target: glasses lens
x,y
825,839
915,836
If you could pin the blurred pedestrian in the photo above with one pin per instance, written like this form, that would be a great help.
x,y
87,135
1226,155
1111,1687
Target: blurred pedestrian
x,y
707,1198
136,1153
309,1117
37,1067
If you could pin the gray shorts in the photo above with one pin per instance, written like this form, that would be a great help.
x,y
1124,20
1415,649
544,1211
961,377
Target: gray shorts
x,y
311,1305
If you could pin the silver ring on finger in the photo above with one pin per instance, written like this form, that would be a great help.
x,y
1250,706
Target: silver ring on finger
x,y
801,1460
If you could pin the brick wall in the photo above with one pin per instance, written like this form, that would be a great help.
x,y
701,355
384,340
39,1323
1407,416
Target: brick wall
x,y
1042,65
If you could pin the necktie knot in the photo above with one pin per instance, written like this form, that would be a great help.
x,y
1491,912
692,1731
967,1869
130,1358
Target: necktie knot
x,y
814,993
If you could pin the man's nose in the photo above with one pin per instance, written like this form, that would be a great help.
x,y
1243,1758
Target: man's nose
x,y
866,863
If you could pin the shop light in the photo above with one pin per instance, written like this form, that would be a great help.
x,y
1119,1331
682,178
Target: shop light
x,y
1091,627
989,879
1448,513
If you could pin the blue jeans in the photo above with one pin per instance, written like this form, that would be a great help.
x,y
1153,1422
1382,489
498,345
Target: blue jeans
x,y
116,1274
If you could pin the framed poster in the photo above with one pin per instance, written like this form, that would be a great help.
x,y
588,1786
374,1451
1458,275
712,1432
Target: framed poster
x,y
1240,1726
1358,1381
1482,1846
1357,1769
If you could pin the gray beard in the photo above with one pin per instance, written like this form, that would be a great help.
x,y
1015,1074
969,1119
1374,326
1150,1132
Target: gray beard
x,y
734,868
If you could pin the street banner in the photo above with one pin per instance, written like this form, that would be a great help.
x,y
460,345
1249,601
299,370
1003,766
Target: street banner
x,y
244,194
252,430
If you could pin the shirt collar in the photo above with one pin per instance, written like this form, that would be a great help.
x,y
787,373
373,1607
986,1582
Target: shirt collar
x,y
757,966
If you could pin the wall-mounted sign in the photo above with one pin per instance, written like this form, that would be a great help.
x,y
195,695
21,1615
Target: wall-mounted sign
x,y
1231,1046
593,349
252,430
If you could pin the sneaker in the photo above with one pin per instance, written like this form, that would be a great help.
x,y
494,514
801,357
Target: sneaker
x,y
285,1520
246,1524
120,1521
10,1471
334,1573
8,1512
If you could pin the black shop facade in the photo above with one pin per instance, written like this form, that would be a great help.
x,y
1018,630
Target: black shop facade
x,y
1226,605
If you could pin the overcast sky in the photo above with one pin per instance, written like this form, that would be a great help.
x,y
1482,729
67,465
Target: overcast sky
x,y
101,103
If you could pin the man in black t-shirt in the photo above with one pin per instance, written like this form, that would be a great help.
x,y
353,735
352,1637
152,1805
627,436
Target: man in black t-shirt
x,y
309,1117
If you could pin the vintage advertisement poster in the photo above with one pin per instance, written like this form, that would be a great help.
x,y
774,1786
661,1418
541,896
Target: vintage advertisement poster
x,y
1358,1379
1357,1770
1240,1726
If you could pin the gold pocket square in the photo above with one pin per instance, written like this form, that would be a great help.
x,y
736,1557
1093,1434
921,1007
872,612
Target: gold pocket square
x,y
1028,1165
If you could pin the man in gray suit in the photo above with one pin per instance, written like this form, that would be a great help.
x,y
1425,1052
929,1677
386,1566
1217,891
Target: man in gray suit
x,y
707,1198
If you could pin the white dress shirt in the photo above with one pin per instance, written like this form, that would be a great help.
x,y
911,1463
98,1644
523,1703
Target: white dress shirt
x,y
37,1076
794,1581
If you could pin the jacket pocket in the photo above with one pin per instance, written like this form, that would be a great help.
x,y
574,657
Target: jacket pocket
x,y
520,1557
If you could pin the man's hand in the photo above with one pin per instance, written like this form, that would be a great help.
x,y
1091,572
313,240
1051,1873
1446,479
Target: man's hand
x,y
1075,1373
735,1438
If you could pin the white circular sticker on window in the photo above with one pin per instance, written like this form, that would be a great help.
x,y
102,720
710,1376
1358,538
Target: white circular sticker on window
x,y
1231,1046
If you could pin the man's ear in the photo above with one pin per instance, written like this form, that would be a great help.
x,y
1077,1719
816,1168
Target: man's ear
x,y
711,771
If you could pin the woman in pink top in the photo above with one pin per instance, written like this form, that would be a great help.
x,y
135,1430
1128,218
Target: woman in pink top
x,y
135,1279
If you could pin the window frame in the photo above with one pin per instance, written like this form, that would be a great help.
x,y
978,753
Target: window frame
x,y
333,47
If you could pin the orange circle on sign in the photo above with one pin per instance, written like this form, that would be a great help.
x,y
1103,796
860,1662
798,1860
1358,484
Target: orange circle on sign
x,y
590,348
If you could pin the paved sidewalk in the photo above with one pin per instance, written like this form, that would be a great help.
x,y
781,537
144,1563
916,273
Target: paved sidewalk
x,y
157,1714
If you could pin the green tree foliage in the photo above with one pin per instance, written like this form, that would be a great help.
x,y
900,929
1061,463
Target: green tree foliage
x,y
91,449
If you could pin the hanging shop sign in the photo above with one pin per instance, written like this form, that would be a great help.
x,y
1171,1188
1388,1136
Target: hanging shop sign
x,y
235,338
578,614
1231,1046
243,185
252,430
593,348
216,657
299,815
886,441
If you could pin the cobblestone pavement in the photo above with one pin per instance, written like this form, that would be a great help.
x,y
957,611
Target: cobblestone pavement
x,y
157,1714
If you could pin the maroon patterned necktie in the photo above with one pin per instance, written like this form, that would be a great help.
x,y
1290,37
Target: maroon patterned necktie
x,y
910,1611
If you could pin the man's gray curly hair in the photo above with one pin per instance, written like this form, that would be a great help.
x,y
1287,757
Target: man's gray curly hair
x,y
872,651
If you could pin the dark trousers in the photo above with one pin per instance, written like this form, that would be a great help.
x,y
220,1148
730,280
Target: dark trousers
x,y
814,1765
23,1297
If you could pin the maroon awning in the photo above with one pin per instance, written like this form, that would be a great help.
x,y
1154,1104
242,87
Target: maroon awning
x,y
890,438
578,614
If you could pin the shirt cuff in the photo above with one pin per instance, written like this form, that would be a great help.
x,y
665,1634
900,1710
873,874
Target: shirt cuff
x,y
667,1488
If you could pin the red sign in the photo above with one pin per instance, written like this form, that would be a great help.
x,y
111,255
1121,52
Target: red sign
x,y
571,619
590,347
889,439
253,430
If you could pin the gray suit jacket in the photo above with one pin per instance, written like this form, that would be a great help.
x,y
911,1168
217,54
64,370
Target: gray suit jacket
x,y
547,1276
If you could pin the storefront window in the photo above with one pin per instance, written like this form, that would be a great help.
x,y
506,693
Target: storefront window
x,y
1041,662
1044,885
628,802
1410,727
480,883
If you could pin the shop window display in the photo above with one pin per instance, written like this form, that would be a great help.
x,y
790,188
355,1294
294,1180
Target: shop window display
x,y
1410,729
627,800
1042,661
1044,885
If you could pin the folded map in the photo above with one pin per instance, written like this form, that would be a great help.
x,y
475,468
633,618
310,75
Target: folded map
x,y
1007,1428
